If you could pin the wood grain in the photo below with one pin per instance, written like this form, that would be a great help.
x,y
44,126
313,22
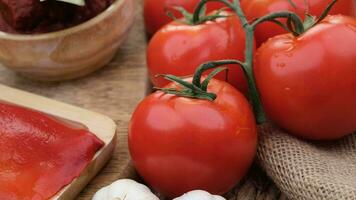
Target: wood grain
x,y
115,91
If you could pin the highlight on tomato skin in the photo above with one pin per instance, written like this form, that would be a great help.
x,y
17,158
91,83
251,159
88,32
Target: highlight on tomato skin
x,y
313,92
178,49
257,8
180,144
155,11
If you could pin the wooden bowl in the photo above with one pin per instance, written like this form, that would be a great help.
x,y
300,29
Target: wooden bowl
x,y
69,53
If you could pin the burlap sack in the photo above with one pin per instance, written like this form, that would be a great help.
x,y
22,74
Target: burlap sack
x,y
309,170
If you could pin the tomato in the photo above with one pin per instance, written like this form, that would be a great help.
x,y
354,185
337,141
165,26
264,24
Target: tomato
x,y
258,8
308,84
180,144
179,49
155,11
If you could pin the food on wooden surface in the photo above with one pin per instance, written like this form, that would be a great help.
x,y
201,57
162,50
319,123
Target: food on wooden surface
x,y
179,47
305,79
40,154
125,189
199,195
307,82
35,16
256,8
193,137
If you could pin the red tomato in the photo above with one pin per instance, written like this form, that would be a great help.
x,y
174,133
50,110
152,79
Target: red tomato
x,y
258,8
180,144
179,49
155,11
308,84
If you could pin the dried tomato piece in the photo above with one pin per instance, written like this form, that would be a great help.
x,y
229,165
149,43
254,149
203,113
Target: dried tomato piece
x,y
40,154
21,14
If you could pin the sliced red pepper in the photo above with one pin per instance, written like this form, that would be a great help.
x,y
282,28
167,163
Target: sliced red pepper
x,y
39,154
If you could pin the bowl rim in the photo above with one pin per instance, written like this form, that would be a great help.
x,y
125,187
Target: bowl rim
x,y
64,32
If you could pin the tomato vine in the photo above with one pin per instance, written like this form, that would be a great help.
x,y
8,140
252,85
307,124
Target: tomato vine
x,y
294,25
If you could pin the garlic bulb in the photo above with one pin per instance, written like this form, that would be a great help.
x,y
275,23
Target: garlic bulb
x,y
199,195
125,189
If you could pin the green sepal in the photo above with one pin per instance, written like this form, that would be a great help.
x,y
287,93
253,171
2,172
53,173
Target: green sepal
x,y
205,83
188,18
191,90
309,21
326,11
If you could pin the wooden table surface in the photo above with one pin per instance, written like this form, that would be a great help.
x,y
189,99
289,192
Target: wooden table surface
x,y
115,91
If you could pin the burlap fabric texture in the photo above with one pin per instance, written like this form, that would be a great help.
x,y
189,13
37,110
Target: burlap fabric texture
x,y
309,170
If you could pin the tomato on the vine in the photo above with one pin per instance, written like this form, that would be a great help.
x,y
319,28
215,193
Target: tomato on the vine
x,y
155,11
257,8
308,83
179,48
179,144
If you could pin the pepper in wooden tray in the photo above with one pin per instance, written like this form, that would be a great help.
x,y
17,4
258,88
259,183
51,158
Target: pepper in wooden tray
x,y
39,16
40,154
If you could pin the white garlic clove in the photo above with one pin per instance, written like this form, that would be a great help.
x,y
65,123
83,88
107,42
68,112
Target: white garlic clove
x,y
125,189
199,195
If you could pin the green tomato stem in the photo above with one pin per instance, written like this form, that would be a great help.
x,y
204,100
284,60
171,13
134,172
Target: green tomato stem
x,y
295,19
247,66
294,25
211,65
200,7
193,90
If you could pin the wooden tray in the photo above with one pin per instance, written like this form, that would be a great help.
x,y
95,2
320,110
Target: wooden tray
x,y
103,127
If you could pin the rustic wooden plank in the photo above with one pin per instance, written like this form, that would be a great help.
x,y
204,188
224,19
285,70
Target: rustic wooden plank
x,y
115,91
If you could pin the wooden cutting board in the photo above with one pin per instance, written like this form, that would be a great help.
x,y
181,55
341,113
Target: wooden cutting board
x,y
103,127
115,91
